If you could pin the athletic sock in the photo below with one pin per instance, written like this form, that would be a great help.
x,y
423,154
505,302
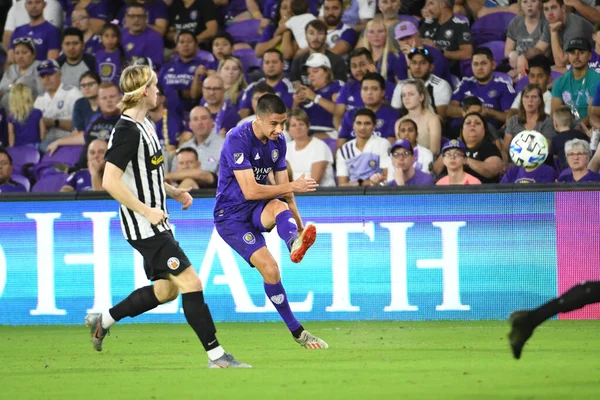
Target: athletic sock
x,y
138,302
107,320
287,228
198,316
276,293
573,299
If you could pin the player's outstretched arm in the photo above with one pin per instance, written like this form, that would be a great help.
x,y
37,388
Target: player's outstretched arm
x,y
113,184
255,191
181,195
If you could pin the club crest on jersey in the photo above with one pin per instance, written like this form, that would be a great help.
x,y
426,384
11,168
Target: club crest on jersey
x,y
448,34
129,46
107,70
60,104
249,238
173,263
492,94
194,15
275,155
335,38
238,158
192,69
379,123
372,163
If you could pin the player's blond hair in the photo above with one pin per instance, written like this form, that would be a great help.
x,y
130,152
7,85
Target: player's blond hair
x,y
20,101
133,80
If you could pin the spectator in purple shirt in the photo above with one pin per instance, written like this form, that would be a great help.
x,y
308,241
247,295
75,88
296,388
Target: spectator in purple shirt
x,y
112,58
140,40
92,41
578,156
89,178
224,114
496,93
341,38
277,35
45,35
25,123
97,11
6,169
390,64
403,172
158,14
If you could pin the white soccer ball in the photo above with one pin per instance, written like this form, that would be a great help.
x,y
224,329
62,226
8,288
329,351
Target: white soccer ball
x,y
528,149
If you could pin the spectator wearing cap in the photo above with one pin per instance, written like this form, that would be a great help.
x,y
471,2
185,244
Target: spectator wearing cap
x,y
390,63
197,16
22,71
90,178
91,40
407,129
403,172
17,16
451,35
318,98
46,36
316,36
56,103
538,73
562,27
7,185
367,155
223,112
373,97
496,93
421,67
578,156
341,38
272,67
577,86
408,38
455,159
140,40
74,61
307,155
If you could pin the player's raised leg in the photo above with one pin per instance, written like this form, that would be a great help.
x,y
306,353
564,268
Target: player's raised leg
x,y
524,322
268,268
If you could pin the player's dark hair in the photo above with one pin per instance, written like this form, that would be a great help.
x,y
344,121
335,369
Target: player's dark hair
x,y
361,51
374,76
270,104
484,51
366,112
540,61
470,102
274,50
72,31
317,24
263,87
189,150
186,32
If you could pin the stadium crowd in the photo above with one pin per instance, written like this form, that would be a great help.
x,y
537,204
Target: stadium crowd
x,y
392,92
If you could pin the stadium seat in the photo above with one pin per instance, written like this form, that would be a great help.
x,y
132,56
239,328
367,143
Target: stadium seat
x,y
22,180
409,18
23,156
497,48
51,183
332,143
525,80
249,60
65,154
206,56
491,28
245,31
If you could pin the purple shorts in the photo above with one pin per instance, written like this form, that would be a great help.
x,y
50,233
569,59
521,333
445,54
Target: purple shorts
x,y
245,237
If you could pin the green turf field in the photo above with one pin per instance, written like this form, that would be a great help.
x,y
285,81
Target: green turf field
x,y
366,360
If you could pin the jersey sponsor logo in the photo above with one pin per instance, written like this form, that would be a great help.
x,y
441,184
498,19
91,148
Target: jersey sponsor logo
x,y
275,155
157,159
238,158
173,263
249,238
278,298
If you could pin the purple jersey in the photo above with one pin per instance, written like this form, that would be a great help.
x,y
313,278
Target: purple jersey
x,y
350,94
567,176
386,118
96,9
80,181
233,9
45,36
108,66
243,150
320,118
397,69
342,32
498,94
28,131
594,62
284,89
178,76
226,118
147,44
93,45
12,187
542,174
156,10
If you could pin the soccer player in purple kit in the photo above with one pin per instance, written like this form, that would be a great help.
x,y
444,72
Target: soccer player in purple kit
x,y
246,206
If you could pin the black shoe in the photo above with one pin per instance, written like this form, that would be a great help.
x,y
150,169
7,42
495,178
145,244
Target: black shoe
x,y
521,330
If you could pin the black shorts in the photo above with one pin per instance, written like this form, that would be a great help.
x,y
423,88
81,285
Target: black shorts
x,y
162,255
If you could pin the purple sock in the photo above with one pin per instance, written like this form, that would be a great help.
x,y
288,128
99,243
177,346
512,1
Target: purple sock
x,y
287,228
276,293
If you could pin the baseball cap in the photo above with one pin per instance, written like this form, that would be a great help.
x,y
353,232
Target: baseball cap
x,y
404,29
317,60
402,143
48,67
424,52
454,144
579,43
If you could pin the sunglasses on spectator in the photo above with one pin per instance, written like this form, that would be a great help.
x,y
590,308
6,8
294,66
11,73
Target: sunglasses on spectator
x,y
403,154
23,40
418,50
452,154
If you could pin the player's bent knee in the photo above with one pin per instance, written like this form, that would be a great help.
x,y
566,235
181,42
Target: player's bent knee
x,y
187,281
165,291
271,274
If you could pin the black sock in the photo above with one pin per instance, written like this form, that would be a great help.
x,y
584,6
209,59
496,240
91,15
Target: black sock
x,y
138,302
198,316
297,332
578,296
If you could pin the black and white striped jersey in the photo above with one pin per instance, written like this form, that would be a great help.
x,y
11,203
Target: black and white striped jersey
x,y
134,148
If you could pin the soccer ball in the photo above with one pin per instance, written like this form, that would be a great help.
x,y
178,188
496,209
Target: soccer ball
x,y
528,149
